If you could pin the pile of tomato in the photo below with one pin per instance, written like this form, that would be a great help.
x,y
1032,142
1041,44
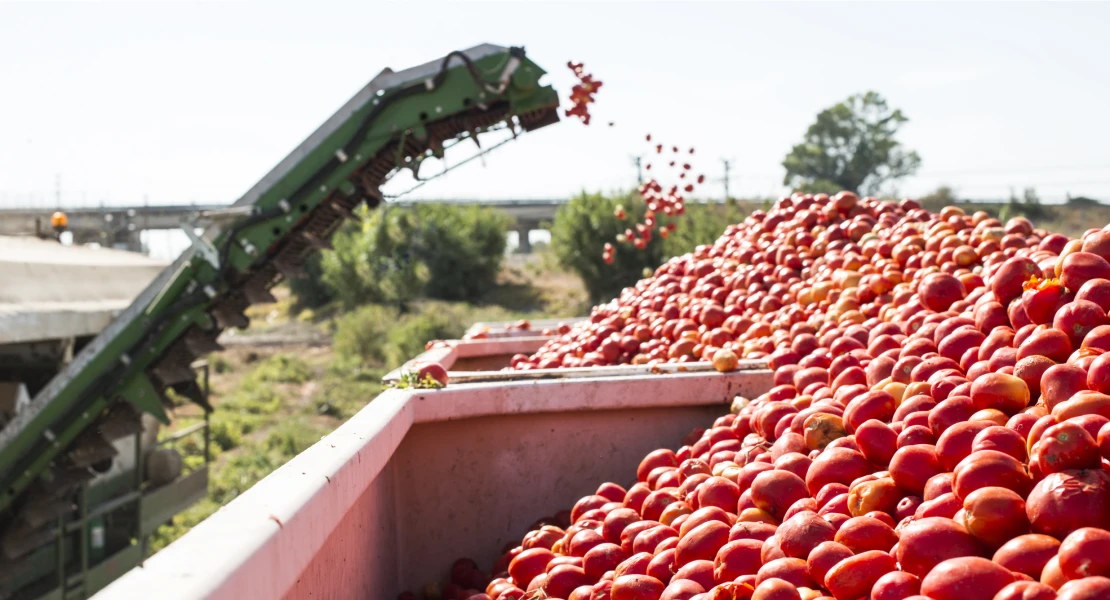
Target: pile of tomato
x,y
938,429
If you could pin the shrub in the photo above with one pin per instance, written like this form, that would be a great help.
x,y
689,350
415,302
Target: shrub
x,y
375,264
226,433
311,291
462,247
580,231
281,368
363,332
408,337
395,255
292,437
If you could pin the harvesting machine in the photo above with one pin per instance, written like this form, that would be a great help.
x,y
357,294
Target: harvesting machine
x,y
68,527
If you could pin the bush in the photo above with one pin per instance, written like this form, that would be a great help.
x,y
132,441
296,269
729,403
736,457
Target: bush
x,y
579,234
375,264
407,339
311,291
226,433
462,247
282,368
292,437
586,223
395,255
380,335
363,332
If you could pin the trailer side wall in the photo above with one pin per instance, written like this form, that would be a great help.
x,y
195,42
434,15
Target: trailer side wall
x,y
417,479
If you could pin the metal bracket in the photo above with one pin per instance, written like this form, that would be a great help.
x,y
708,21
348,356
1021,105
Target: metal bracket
x,y
202,246
142,393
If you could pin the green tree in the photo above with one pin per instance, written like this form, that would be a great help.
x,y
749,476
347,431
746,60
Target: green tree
x,y
851,146
311,291
398,254
376,263
463,248
1082,201
580,231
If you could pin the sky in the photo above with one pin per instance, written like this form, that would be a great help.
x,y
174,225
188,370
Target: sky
x,y
179,102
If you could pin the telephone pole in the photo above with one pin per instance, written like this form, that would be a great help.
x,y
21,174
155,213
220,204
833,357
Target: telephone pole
x,y
728,167
637,160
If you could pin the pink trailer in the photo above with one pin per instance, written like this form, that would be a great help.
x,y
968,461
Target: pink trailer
x,y
419,478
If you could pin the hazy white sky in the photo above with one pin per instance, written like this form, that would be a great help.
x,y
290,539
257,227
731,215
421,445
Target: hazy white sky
x,y
193,102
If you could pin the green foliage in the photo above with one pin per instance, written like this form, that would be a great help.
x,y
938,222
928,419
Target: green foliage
x,y
819,186
408,337
1029,205
280,368
218,363
363,332
1006,213
412,380
1082,201
375,264
381,335
347,386
399,254
580,231
463,248
851,146
241,472
311,291
292,436
226,433
587,222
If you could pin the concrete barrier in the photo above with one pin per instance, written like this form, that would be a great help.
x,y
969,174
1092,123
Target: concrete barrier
x,y
49,291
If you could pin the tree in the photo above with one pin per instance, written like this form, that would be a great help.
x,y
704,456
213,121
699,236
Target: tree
x,y
580,231
1082,201
851,146
1028,205
376,264
396,255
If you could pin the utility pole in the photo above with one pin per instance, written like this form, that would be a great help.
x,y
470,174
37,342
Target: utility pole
x,y
637,160
58,191
728,167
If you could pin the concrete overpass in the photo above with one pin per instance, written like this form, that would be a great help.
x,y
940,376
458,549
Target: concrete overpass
x,y
120,226
55,298
110,226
